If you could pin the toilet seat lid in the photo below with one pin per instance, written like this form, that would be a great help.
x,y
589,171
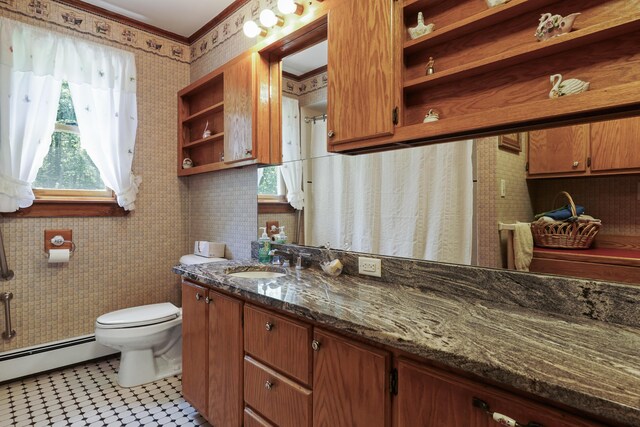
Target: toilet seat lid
x,y
139,316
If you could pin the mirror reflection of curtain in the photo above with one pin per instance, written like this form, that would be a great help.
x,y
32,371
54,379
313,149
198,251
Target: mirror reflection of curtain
x,y
414,203
291,168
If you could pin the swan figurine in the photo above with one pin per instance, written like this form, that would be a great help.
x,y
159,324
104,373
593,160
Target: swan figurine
x,y
431,116
554,25
566,87
421,29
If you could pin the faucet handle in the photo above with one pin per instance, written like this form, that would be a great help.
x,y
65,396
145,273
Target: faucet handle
x,y
302,256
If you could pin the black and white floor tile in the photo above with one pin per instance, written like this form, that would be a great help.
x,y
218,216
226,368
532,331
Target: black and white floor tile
x,y
89,395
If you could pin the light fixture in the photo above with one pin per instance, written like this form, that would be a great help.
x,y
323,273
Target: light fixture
x,y
269,19
253,30
288,7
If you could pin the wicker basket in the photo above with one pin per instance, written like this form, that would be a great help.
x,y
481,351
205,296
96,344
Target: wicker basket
x,y
565,234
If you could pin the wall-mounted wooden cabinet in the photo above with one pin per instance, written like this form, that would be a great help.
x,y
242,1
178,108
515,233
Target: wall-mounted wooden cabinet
x,y
601,148
492,75
361,89
227,103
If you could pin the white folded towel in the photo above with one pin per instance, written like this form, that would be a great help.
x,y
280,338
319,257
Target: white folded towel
x,y
522,246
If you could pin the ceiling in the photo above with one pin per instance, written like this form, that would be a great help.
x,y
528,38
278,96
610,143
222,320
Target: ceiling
x,y
183,17
307,60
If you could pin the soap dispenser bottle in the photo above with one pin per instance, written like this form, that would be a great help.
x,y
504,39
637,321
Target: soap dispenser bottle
x,y
281,238
264,247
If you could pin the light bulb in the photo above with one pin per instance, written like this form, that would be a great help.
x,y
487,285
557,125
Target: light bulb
x,y
269,19
253,30
290,6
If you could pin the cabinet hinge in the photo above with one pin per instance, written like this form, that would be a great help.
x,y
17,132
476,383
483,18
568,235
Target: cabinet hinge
x,y
588,161
393,382
395,115
526,167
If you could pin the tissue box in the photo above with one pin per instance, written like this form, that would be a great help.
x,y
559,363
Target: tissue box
x,y
209,249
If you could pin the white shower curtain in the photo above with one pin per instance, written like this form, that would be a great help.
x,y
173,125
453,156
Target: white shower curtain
x,y
414,203
291,168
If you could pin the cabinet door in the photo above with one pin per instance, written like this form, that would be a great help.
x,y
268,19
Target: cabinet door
x,y
559,151
239,111
615,145
350,383
360,68
194,346
428,397
225,361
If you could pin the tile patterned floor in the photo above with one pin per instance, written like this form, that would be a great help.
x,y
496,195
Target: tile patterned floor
x,y
88,395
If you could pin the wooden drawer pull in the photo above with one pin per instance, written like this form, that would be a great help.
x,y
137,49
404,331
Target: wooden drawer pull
x,y
501,418
269,326
268,385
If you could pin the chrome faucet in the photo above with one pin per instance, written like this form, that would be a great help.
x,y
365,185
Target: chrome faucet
x,y
286,255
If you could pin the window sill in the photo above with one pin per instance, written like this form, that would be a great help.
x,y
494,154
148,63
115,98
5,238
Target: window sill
x,y
50,208
272,207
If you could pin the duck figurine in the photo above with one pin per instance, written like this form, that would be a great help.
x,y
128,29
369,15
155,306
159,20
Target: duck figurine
x,y
421,29
554,25
566,87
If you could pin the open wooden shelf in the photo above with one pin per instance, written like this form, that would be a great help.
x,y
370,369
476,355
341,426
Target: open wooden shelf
x,y
213,109
479,21
531,51
211,138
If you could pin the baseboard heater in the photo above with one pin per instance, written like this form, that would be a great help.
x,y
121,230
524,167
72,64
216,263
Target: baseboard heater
x,y
32,360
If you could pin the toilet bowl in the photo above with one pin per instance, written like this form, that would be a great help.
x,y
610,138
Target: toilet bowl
x,y
149,338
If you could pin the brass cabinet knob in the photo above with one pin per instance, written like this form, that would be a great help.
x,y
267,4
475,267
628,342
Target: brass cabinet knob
x,y
331,134
198,296
269,326
315,345
248,152
575,164
268,385
207,300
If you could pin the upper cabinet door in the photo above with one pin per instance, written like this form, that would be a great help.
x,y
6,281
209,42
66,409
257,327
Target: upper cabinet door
x,y
558,151
615,145
360,69
239,111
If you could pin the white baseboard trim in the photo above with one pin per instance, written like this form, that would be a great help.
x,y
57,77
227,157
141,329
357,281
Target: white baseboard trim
x,y
32,360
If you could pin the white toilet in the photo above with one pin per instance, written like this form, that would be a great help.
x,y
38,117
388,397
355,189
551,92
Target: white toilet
x,y
149,337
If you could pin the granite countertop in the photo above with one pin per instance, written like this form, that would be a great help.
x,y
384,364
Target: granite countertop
x,y
590,365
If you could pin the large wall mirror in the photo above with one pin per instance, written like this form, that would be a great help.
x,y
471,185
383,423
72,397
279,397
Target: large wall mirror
x,y
457,202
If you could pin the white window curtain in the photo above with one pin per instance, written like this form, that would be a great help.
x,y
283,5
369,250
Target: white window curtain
x,y
414,203
291,168
103,89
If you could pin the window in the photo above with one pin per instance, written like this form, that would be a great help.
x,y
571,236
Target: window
x,y
271,187
67,172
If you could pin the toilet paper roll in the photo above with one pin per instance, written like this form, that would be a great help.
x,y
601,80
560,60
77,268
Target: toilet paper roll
x,y
59,255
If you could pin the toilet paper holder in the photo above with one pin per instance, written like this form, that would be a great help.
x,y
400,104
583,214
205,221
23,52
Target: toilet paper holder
x,y
59,239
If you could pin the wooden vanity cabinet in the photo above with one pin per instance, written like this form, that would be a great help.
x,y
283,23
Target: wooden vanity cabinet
x,y
430,397
361,89
600,148
212,352
350,383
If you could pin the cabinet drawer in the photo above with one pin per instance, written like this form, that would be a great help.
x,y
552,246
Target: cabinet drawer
x,y
281,400
278,341
251,419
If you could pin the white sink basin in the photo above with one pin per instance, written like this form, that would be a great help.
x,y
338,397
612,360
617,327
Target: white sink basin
x,y
257,274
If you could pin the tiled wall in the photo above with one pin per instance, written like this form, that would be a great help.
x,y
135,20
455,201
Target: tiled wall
x,y
224,209
488,241
120,262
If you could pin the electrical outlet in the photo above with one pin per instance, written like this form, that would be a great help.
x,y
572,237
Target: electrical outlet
x,y
370,267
